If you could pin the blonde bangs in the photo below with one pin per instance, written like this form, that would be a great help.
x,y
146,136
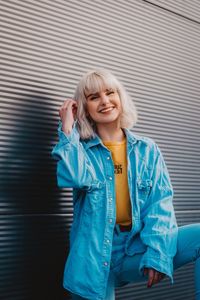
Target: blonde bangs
x,y
97,82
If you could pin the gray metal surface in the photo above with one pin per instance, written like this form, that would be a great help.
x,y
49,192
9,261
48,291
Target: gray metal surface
x,y
153,47
183,8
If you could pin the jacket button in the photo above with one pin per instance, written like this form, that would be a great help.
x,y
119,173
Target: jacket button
x,y
105,263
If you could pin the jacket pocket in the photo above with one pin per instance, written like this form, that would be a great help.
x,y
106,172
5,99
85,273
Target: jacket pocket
x,y
94,200
143,189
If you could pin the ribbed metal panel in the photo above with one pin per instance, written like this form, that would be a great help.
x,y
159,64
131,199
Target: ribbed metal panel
x,y
153,47
183,8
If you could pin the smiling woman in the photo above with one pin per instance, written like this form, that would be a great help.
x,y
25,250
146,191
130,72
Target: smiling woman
x,y
104,108
124,227
99,89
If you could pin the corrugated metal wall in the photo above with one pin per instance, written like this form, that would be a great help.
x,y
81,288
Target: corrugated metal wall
x,y
153,47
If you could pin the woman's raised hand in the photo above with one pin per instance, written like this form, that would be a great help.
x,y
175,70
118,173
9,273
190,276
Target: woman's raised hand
x,y
67,113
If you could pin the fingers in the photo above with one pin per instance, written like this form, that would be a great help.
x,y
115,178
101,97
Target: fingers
x,y
153,276
159,276
156,277
67,115
68,104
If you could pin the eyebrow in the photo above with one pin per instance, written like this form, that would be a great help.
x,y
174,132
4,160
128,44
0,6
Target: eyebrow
x,y
94,94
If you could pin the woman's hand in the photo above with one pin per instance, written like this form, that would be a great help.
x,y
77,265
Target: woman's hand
x,y
153,276
67,114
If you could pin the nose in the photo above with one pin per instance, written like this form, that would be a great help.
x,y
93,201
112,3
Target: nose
x,y
104,99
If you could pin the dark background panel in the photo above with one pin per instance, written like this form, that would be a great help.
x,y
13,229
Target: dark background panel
x,y
32,255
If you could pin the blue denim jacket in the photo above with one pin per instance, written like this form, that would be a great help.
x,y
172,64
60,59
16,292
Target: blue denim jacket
x,y
87,167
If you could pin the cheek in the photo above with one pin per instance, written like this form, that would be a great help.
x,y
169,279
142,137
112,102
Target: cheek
x,y
119,106
118,101
90,109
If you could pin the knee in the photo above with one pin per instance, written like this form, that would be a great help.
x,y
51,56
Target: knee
x,y
190,229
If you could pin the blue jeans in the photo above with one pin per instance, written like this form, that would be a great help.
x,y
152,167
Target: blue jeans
x,y
126,267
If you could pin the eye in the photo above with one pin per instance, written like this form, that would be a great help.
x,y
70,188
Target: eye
x,y
93,97
110,92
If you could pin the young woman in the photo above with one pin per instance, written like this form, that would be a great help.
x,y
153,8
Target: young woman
x,y
124,228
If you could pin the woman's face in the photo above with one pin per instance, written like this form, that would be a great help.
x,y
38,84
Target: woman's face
x,y
104,107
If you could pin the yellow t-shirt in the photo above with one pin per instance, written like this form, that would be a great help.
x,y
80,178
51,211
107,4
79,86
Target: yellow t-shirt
x,y
123,205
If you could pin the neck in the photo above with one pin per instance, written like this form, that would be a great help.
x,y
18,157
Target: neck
x,y
110,132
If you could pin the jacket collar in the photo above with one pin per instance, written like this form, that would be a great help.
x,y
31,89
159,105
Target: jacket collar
x,y
131,139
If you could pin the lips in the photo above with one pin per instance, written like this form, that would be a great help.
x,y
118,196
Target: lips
x,y
106,109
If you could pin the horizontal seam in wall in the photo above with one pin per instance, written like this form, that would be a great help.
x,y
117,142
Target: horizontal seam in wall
x,y
173,12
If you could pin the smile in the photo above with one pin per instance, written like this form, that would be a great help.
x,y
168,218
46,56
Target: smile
x,y
107,109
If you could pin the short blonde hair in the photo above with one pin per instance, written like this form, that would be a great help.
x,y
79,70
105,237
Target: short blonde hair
x,y
95,81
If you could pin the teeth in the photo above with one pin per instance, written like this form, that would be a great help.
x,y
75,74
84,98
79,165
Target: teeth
x,y
107,109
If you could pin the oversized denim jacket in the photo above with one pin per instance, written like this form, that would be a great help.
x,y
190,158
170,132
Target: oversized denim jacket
x,y
87,167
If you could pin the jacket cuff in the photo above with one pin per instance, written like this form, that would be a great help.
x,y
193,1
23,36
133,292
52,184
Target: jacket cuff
x,y
161,263
67,138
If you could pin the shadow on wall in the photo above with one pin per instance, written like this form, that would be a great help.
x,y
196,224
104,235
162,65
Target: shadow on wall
x,y
35,238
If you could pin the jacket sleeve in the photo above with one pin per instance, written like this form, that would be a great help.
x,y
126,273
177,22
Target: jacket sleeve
x,y
160,229
74,168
